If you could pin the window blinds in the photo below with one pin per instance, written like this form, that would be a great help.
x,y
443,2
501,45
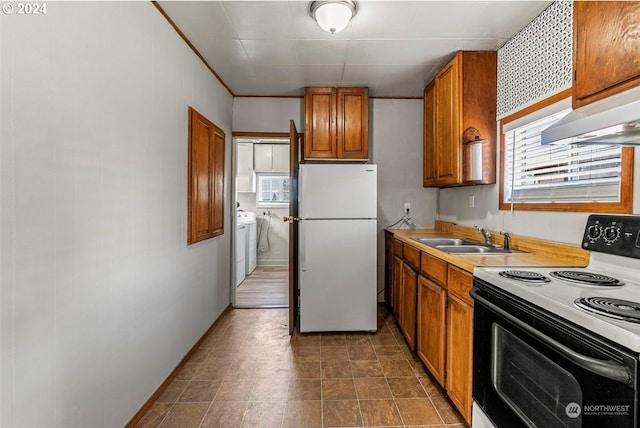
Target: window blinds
x,y
558,173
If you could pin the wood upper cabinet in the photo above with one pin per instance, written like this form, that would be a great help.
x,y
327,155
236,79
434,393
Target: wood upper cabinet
x,y
429,178
409,300
430,347
462,95
448,149
606,49
459,363
336,123
205,211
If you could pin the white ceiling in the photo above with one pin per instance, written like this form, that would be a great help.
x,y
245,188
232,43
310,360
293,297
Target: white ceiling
x,y
275,48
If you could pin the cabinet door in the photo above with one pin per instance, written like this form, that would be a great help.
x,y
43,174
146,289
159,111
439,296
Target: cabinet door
x,y
320,124
448,102
388,270
459,355
429,136
606,50
245,179
397,288
280,157
409,297
430,347
263,157
352,132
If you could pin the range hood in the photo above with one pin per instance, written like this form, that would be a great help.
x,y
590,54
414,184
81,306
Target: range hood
x,y
615,120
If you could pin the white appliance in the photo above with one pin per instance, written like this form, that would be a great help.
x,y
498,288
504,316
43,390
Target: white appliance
x,y
337,244
562,343
240,253
248,219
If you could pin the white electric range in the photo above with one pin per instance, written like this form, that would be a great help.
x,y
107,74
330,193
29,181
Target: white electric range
x,y
559,346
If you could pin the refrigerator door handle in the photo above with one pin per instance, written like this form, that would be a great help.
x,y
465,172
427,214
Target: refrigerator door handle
x,y
303,253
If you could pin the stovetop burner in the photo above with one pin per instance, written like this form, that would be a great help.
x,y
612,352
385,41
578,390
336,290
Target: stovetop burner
x,y
586,278
614,308
524,275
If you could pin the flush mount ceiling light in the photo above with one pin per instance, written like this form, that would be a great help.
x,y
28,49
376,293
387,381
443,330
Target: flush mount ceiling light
x,y
333,16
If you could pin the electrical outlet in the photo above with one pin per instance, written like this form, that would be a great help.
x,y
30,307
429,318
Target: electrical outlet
x,y
472,201
407,207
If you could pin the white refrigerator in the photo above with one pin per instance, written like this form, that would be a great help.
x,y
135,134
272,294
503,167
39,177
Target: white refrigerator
x,y
337,247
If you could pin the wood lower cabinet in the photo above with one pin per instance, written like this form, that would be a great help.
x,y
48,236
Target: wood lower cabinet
x,y
336,123
409,298
459,358
388,270
606,51
434,311
432,306
459,363
397,287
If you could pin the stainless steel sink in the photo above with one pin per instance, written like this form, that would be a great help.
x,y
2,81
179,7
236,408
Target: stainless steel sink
x,y
434,242
472,249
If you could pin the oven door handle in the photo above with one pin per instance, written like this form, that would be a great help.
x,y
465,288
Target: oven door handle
x,y
606,368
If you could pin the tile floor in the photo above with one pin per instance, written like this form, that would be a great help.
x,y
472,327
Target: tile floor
x,y
250,373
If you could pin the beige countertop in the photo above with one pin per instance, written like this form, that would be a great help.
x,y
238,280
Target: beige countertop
x,y
535,252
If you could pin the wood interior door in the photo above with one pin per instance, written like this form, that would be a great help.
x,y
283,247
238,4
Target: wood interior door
x,y
293,226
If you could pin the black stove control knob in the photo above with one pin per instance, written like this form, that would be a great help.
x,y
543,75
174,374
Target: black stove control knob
x,y
594,232
611,234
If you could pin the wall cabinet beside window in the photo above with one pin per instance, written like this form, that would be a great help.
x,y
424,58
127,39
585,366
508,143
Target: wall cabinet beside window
x,y
462,95
271,157
606,51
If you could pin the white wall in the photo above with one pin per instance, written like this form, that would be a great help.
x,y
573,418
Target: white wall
x,y
100,295
258,114
396,147
277,254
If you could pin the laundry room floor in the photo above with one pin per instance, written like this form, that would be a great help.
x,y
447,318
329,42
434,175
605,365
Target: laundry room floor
x,y
250,373
266,287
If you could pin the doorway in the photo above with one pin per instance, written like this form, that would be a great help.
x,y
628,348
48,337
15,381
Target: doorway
x,y
261,200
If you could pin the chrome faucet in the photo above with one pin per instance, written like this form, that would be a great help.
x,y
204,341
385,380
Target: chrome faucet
x,y
507,240
485,233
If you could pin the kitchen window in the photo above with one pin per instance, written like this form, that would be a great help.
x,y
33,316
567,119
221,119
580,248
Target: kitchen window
x,y
572,177
273,190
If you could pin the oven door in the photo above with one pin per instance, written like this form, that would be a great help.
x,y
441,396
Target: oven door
x,y
535,370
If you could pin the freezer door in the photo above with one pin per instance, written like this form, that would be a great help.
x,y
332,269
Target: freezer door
x,y
338,275
338,191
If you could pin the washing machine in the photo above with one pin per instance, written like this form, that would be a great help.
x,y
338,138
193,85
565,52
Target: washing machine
x,y
248,218
240,253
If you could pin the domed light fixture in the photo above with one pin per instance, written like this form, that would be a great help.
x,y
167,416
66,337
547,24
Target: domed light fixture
x,y
333,16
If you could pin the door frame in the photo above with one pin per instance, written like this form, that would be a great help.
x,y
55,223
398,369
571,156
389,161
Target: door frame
x,y
234,199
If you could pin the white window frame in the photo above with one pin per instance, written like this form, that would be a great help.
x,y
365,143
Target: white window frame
x,y
259,190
